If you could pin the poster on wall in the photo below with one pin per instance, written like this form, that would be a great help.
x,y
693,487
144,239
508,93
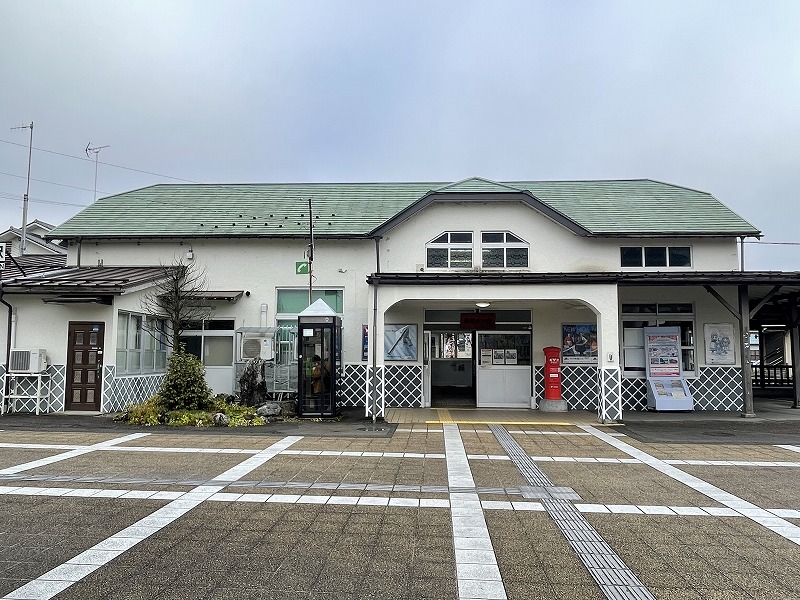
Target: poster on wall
x,y
498,356
719,343
579,343
400,342
364,342
663,351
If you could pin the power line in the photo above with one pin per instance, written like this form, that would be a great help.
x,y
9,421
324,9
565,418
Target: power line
x,y
102,163
10,196
74,187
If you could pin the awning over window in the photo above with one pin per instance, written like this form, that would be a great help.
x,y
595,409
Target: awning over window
x,y
220,296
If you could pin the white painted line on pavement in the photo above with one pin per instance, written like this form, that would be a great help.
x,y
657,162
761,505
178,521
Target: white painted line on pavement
x,y
755,513
477,573
63,576
70,454
788,447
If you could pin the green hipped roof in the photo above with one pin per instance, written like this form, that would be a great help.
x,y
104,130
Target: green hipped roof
x,y
605,208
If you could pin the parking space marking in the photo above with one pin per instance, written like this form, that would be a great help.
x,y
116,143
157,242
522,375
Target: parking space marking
x,y
70,454
788,447
63,576
477,573
757,514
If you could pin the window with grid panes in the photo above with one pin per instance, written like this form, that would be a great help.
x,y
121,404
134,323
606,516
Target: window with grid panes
x,y
141,344
451,250
292,301
655,256
503,250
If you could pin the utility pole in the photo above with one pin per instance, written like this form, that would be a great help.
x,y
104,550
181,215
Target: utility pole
x,y
24,238
310,254
95,151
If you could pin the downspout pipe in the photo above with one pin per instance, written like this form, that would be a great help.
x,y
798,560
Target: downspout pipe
x,y
374,387
8,339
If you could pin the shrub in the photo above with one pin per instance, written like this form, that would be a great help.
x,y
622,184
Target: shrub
x,y
184,385
150,412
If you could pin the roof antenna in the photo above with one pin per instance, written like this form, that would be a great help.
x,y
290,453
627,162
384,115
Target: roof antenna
x,y
95,151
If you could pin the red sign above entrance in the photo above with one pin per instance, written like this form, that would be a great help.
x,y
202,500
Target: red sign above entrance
x,y
482,320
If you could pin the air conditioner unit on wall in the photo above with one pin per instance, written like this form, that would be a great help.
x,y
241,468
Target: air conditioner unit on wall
x,y
257,346
24,360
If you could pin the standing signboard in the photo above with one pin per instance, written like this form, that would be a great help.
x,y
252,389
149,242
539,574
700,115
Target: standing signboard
x,y
667,389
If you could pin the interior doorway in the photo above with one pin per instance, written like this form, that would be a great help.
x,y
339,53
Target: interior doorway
x,y
452,371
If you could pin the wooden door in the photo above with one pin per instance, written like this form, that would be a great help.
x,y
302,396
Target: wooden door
x,y
84,365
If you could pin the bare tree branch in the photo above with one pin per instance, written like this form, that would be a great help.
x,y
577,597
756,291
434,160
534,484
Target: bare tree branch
x,y
178,299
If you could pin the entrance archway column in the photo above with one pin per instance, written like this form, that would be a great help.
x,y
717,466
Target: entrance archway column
x,y
605,303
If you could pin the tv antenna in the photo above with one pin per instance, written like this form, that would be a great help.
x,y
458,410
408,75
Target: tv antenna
x,y
24,238
94,150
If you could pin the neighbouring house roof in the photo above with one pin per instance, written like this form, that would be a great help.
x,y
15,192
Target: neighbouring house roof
x,y
14,235
84,280
31,264
594,208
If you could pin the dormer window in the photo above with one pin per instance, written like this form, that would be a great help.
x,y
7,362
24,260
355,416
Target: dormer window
x,y
451,250
503,250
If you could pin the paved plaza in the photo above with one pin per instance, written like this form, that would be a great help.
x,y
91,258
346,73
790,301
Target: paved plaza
x,y
431,505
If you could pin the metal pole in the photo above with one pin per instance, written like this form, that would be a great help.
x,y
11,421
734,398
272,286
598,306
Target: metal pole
x,y
747,373
310,254
24,238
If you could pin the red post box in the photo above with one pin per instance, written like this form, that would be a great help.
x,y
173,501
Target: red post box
x,y
552,373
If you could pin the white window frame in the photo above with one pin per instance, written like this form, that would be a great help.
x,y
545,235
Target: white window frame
x,y
666,251
142,344
505,245
450,246
289,319
656,319
204,333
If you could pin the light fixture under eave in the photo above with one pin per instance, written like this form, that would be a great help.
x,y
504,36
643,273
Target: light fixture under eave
x,y
483,304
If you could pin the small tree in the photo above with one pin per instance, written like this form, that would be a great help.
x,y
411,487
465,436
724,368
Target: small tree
x,y
178,299
184,385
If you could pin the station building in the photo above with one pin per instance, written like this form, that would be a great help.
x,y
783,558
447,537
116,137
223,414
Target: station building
x,y
447,292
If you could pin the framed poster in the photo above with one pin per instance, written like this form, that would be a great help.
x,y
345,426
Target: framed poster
x,y
400,342
719,343
578,343
511,356
663,351
498,356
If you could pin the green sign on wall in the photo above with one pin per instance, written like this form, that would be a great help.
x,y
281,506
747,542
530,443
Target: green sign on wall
x,y
301,267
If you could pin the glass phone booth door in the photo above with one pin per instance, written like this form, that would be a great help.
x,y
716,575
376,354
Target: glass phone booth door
x,y
317,381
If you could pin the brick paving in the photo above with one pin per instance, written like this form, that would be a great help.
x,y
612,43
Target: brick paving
x,y
373,516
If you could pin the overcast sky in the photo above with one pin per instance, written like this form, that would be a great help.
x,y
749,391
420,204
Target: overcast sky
x,y
704,94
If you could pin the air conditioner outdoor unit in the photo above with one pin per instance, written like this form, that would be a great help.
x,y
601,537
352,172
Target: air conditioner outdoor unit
x,y
27,360
257,346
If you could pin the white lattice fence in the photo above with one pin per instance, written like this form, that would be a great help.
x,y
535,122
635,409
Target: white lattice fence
x,y
352,385
53,385
718,388
611,392
634,394
403,386
579,386
119,392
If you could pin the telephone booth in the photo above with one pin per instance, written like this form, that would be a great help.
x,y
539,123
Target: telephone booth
x,y
319,356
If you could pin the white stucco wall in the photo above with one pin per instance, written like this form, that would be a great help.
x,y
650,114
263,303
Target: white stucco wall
x,y
40,325
553,248
257,266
